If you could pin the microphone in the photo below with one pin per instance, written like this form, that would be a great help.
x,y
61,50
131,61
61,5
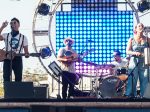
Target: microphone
x,y
90,41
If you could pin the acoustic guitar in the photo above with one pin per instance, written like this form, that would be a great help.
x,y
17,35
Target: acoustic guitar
x,y
72,57
8,55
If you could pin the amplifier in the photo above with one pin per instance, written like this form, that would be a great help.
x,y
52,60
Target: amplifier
x,y
41,91
18,90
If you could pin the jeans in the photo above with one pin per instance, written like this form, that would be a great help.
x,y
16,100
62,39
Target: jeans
x,y
68,79
136,70
17,67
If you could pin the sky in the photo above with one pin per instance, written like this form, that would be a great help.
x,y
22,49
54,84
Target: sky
x,y
24,10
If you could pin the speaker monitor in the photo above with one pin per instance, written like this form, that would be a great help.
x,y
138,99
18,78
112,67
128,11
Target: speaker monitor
x,y
18,90
41,92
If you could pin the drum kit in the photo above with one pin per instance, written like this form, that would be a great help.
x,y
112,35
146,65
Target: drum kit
x,y
110,84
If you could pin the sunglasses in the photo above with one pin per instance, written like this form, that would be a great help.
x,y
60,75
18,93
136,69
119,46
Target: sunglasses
x,y
68,41
13,22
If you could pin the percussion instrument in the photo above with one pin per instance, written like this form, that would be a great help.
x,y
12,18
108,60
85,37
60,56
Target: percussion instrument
x,y
111,87
122,74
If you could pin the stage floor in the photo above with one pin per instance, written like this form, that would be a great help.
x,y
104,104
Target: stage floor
x,y
78,102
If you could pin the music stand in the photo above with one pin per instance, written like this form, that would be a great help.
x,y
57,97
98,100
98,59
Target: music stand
x,y
57,71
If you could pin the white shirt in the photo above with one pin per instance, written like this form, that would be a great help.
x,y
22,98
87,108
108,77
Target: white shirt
x,y
122,64
71,67
118,65
15,42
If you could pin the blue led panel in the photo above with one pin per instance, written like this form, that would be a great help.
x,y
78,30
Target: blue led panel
x,y
100,30
94,5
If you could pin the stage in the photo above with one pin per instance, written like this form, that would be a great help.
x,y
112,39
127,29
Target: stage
x,y
24,97
76,105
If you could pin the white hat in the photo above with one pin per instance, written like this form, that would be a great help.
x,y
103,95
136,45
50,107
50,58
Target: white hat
x,y
68,38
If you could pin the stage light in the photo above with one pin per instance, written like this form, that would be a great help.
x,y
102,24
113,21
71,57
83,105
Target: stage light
x,y
45,52
43,9
143,5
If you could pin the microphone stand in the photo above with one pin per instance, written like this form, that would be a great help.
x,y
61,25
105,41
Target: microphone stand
x,y
83,49
81,57
11,58
85,46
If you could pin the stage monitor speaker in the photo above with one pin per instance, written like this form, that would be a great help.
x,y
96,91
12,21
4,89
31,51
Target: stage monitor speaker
x,y
18,90
41,91
147,91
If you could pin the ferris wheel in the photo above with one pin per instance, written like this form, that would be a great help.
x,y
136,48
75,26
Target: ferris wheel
x,y
43,32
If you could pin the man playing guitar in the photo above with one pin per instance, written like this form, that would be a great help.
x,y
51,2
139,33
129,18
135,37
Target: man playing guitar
x,y
67,57
14,42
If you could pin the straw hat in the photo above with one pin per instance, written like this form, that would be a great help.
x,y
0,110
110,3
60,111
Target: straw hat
x,y
68,38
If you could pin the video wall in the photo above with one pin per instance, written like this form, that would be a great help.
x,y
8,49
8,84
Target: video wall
x,y
96,26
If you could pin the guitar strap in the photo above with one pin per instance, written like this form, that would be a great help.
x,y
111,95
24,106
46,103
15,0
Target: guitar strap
x,y
21,43
18,41
7,42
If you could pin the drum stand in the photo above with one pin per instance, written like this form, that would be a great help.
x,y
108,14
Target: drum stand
x,y
97,92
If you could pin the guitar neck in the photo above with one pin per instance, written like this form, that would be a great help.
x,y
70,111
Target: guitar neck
x,y
20,54
10,55
31,54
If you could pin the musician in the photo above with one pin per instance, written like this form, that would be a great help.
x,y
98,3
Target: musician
x,y
118,62
67,56
14,42
137,68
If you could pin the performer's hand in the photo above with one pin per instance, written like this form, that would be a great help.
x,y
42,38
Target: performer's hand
x,y
65,59
69,59
4,24
27,55
138,54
